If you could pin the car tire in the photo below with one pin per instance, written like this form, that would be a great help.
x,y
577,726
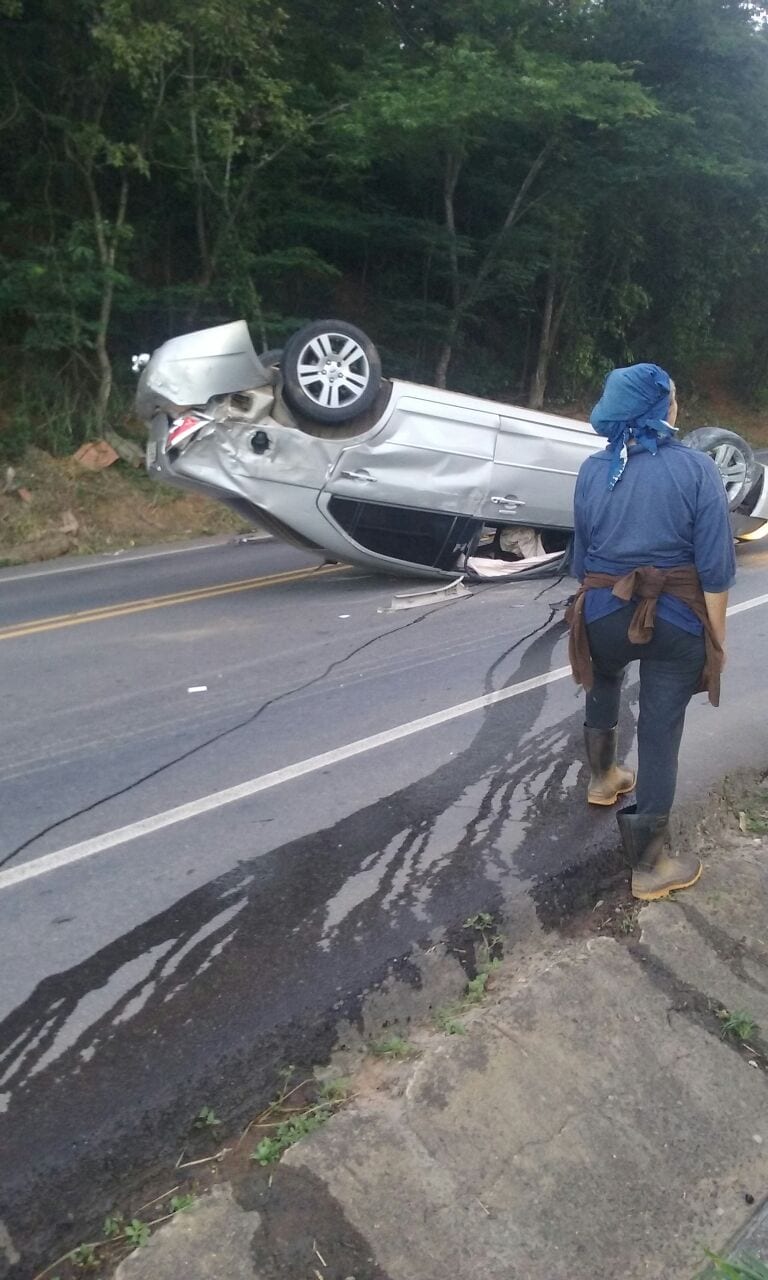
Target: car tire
x,y
272,357
331,371
733,457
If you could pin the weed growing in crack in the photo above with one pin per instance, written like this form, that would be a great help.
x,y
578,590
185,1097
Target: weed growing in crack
x,y
206,1118
289,1132
136,1233
741,1269
476,987
488,941
754,820
179,1204
118,1234
292,1122
393,1047
480,922
335,1090
625,921
487,959
739,1025
448,1023
85,1257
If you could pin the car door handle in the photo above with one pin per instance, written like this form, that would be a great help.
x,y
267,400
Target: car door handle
x,y
362,476
509,500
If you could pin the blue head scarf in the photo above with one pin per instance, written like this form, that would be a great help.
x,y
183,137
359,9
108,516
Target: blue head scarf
x,y
635,402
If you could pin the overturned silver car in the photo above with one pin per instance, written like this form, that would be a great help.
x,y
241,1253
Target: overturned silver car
x,y
313,444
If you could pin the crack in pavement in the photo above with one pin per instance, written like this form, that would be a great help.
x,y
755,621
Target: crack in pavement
x,y
691,1003
82,1049
217,737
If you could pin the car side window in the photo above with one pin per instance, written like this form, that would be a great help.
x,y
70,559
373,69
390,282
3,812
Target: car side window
x,y
436,539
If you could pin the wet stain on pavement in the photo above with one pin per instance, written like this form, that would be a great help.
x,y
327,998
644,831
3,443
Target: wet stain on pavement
x,y
302,1225
108,1061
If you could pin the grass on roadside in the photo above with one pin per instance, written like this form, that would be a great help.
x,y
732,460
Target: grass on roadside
x,y
487,943
393,1047
289,1132
739,1024
119,1236
297,1112
753,819
744,1268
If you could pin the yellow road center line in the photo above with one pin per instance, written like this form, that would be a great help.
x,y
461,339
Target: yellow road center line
x,y
161,602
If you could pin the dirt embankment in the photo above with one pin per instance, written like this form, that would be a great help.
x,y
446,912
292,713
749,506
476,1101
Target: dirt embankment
x,y
54,506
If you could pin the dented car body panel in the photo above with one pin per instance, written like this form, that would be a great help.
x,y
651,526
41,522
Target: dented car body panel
x,y
409,487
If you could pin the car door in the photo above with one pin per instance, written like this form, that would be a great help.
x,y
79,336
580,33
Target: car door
x,y
536,461
432,454
413,493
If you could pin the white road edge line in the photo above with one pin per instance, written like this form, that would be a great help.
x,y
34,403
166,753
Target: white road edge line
x,y
117,557
747,604
217,799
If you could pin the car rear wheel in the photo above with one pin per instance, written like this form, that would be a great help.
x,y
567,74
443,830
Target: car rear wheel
x,y
331,371
733,456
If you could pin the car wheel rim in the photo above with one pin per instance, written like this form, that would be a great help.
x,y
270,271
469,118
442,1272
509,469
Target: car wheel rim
x,y
333,370
732,465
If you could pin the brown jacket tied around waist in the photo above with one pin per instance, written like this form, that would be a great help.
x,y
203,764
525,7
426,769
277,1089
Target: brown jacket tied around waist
x,y
645,584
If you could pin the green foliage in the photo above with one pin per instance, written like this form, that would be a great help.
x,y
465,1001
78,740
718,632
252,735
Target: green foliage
x,y
480,921
433,172
392,1047
85,1257
743,1268
179,1204
136,1233
290,1132
447,1022
335,1091
739,1025
476,988
206,1118
755,817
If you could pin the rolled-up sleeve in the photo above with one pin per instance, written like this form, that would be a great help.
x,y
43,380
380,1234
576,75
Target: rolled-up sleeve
x,y
713,551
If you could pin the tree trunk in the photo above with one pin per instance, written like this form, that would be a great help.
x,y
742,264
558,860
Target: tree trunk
x,y
513,216
107,242
539,380
550,329
197,173
472,293
453,163
446,352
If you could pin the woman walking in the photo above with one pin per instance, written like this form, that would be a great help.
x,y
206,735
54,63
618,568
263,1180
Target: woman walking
x,y
653,551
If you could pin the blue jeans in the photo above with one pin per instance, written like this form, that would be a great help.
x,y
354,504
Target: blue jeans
x,y
670,669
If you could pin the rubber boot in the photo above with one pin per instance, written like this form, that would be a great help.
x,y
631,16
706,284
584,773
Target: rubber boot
x,y
655,872
607,780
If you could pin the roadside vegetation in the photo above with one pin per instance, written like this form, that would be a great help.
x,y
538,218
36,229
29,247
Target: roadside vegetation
x,y
53,507
484,946
510,196
742,1269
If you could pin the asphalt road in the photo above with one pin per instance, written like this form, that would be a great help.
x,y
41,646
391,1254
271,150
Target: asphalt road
x,y
237,790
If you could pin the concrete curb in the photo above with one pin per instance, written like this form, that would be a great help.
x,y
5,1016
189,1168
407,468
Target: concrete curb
x,y
591,1121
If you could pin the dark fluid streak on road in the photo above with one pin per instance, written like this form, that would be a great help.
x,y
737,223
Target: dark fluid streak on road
x,y
246,975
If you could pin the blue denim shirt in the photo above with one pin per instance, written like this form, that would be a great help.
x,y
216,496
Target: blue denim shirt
x,y
668,509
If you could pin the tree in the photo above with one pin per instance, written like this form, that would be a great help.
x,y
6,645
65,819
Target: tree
x,y
448,106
